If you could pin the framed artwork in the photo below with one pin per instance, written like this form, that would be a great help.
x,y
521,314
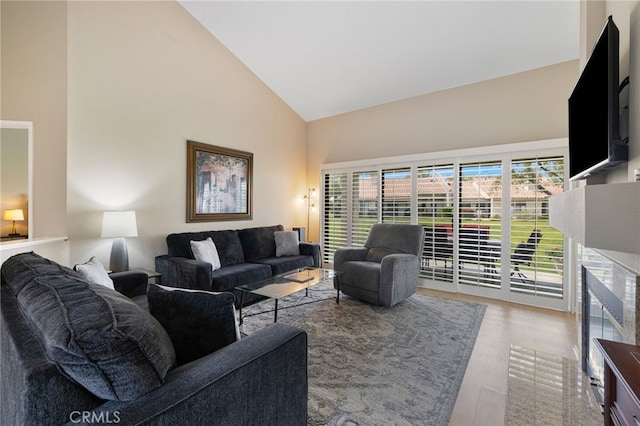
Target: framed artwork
x,y
219,183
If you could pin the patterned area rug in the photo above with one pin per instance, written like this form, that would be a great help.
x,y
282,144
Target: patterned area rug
x,y
546,389
379,366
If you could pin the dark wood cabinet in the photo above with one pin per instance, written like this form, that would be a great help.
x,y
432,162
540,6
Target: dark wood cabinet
x,y
621,382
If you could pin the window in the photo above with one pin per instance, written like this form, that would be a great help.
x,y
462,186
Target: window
x,y
364,211
435,188
536,247
396,195
480,224
486,219
336,221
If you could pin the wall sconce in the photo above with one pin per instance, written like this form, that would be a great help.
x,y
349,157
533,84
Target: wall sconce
x,y
311,192
119,225
13,215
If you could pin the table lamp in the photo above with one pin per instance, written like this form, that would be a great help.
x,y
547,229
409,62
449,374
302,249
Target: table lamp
x,y
119,225
13,215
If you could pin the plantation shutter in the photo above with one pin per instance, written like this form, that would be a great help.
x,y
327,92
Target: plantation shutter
x,y
480,225
364,210
396,195
335,214
536,248
435,214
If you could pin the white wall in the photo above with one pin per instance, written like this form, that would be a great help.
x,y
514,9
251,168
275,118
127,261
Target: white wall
x,y
523,107
143,78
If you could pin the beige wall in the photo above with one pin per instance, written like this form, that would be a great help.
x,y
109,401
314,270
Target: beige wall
x,y
14,177
522,107
33,88
143,78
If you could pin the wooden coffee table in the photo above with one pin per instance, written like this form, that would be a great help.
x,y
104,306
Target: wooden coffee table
x,y
286,284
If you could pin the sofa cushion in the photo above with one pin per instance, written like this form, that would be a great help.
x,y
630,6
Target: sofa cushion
x,y
228,277
180,244
20,269
96,336
206,251
198,322
229,247
287,243
259,243
280,265
94,272
227,244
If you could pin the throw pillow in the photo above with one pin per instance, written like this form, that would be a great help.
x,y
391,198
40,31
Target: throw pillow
x,y
205,251
94,272
97,337
198,322
287,243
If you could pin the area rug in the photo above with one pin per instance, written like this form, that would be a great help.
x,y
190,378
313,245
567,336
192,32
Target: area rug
x,y
547,389
369,365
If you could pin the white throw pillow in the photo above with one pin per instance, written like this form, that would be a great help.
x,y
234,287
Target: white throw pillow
x,y
94,272
205,251
287,243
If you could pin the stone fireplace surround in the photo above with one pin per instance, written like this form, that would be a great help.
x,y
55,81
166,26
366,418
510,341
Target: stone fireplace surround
x,y
608,303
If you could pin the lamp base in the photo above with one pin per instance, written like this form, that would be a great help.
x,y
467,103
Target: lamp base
x,y
14,235
119,260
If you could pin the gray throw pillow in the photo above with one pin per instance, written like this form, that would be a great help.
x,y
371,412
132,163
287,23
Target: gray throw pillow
x,y
199,322
94,272
287,243
206,251
99,338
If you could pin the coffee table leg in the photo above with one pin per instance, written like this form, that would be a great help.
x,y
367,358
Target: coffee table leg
x,y
275,314
240,309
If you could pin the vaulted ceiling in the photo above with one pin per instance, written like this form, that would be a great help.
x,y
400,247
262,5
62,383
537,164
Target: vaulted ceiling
x,y
330,57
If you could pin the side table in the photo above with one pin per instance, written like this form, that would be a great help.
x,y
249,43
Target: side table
x,y
153,275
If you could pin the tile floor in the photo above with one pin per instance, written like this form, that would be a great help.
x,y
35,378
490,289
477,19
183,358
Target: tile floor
x,y
524,370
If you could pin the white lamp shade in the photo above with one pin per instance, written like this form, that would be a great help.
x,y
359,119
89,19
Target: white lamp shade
x,y
14,214
119,224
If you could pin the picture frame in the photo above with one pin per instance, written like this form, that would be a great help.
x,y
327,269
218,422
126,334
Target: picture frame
x,y
219,183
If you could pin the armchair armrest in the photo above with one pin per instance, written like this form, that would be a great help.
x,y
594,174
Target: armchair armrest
x,y
183,272
130,283
347,254
262,377
311,249
403,270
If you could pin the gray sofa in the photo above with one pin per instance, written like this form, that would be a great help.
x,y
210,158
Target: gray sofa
x,y
246,255
61,363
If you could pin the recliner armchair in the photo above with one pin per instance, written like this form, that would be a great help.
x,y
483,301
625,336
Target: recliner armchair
x,y
385,271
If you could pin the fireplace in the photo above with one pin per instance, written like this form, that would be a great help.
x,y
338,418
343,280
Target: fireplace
x,y
609,307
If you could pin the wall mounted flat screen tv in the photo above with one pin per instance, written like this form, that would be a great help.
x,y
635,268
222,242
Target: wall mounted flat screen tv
x,y
595,144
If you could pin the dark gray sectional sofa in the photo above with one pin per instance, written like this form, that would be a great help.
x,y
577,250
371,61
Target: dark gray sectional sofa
x,y
75,352
247,255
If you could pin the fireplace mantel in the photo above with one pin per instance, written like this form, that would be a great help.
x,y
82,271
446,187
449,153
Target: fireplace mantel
x,y
603,216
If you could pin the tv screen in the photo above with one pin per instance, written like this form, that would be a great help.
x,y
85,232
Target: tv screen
x,y
594,129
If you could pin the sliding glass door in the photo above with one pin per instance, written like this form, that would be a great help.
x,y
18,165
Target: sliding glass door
x,y
536,248
486,222
480,224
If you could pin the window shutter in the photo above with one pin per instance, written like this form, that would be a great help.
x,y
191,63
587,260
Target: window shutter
x,y
435,212
536,248
335,216
364,210
396,195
